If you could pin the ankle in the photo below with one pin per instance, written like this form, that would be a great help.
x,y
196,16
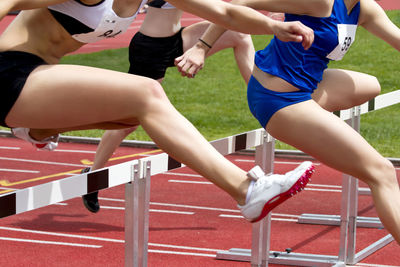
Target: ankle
x,y
245,190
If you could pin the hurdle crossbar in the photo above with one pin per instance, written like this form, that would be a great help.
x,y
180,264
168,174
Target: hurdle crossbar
x,y
379,102
42,195
135,175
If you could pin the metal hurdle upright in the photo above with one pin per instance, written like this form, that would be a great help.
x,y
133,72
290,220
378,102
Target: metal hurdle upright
x,y
136,175
348,219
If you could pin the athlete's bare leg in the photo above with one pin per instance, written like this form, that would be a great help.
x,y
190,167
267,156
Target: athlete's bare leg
x,y
65,96
321,134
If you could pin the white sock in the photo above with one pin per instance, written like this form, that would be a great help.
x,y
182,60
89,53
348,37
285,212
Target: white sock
x,y
249,190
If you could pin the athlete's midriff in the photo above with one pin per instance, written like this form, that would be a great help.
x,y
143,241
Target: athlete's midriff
x,y
25,34
161,22
272,82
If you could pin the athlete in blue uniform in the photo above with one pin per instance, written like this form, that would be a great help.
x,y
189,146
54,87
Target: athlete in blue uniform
x,y
292,94
43,98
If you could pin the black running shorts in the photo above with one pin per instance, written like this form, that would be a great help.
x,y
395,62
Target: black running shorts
x,y
15,67
151,56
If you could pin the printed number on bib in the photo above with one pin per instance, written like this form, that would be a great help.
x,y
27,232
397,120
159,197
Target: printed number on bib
x,y
346,36
110,26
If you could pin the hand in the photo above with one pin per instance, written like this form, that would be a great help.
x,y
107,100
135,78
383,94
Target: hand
x,y
191,61
294,31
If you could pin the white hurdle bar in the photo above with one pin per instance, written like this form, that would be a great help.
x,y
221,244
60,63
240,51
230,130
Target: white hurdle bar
x,y
136,174
348,219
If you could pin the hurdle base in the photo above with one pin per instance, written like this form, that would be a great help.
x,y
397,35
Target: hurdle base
x,y
323,219
283,258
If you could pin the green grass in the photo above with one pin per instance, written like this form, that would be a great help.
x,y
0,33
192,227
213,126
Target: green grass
x,y
215,101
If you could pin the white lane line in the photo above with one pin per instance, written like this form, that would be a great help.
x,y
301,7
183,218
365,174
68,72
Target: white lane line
x,y
103,239
10,147
15,170
181,253
75,151
174,205
173,211
188,182
183,174
293,216
323,190
48,242
151,210
325,185
5,228
43,162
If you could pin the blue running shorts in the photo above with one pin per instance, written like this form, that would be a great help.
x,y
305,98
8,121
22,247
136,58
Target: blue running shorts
x,y
263,103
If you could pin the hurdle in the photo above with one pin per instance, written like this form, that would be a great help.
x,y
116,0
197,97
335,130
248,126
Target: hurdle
x,y
136,176
348,219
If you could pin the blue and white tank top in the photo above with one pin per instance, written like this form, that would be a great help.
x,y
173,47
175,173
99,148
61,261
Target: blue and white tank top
x,y
304,68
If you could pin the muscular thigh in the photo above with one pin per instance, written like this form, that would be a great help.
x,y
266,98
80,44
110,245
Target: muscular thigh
x,y
324,136
343,89
59,96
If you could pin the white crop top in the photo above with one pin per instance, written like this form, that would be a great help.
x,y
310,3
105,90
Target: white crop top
x,y
160,4
91,23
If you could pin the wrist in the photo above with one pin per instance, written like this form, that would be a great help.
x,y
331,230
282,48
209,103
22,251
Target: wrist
x,y
204,44
272,25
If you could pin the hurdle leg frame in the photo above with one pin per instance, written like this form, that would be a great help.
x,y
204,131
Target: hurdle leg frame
x,y
258,255
137,202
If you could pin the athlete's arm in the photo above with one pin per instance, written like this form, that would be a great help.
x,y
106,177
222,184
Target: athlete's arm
x,y
244,19
7,6
315,8
193,59
374,19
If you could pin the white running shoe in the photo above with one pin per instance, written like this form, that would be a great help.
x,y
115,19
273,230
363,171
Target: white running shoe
x,y
49,143
271,190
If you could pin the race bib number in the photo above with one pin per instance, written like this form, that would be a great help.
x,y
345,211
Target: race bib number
x,y
110,26
346,37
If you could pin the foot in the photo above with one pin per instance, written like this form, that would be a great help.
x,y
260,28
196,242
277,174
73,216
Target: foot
x,y
49,143
271,190
91,200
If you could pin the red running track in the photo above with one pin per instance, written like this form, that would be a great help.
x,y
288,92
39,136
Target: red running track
x,y
190,219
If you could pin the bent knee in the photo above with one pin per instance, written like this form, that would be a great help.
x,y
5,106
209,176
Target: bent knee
x,y
369,89
152,90
244,38
383,174
373,87
153,94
